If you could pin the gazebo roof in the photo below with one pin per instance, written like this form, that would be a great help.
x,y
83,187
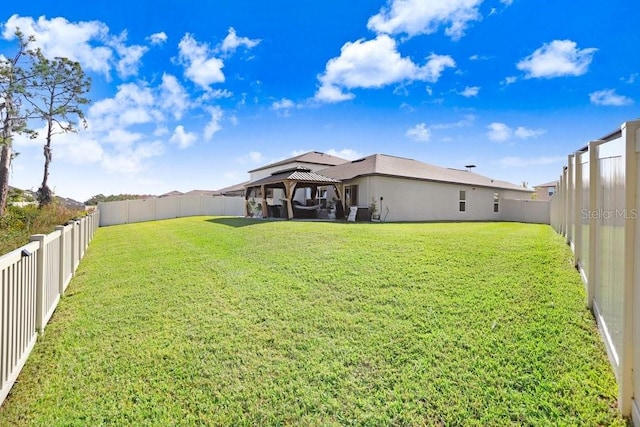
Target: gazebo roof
x,y
298,174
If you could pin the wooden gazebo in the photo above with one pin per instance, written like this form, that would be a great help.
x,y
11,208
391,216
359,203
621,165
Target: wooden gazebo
x,y
289,180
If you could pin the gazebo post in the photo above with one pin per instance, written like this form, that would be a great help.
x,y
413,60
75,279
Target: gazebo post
x,y
265,212
289,187
340,193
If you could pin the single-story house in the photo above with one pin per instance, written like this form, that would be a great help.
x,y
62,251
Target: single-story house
x,y
237,190
546,191
395,188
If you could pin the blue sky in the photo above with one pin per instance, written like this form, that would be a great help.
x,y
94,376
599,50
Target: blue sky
x,y
193,94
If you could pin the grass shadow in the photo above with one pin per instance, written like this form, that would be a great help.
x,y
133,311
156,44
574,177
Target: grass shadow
x,y
238,222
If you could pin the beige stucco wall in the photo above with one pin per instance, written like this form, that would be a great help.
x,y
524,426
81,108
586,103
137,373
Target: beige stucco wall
x,y
542,193
414,200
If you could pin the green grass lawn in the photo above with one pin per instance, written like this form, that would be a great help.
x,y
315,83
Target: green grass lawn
x,y
224,321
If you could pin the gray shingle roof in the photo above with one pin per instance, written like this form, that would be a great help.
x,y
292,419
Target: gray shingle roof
x,y
298,174
547,184
199,193
382,164
233,188
312,157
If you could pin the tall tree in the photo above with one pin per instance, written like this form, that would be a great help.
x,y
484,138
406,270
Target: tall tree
x,y
13,82
56,97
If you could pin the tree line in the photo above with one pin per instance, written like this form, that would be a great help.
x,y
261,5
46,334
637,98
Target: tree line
x,y
114,198
35,89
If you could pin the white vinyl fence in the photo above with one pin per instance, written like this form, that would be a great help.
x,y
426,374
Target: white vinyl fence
x,y
523,210
128,211
34,277
596,209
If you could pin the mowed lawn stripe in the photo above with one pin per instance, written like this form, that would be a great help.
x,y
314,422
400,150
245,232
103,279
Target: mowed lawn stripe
x,y
228,321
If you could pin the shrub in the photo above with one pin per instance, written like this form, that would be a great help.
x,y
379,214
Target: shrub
x,y
19,223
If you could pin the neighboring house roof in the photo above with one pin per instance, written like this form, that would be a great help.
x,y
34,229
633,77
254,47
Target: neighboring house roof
x,y
548,184
312,157
385,165
233,188
298,174
171,194
199,193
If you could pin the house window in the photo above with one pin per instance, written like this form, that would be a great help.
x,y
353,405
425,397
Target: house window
x,y
351,195
463,201
551,191
496,202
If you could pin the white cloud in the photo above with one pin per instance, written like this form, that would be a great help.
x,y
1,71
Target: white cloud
x,y
182,138
77,148
524,133
345,153
130,56
422,132
499,132
214,123
253,157
82,41
217,94
122,137
509,80
157,38
556,59
470,91
609,97
519,162
81,152
122,128
173,97
331,93
419,132
374,64
133,104
88,42
231,42
477,57
468,120
283,104
506,2
116,150
434,67
413,17
132,160
201,67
